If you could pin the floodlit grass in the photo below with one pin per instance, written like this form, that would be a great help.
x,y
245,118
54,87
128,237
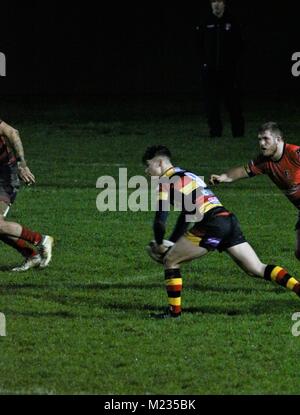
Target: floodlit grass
x,y
83,325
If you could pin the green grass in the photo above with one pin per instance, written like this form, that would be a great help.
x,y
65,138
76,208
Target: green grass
x,y
83,325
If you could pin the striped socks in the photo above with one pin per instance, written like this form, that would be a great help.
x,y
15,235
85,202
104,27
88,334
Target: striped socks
x,y
282,277
32,237
173,282
20,245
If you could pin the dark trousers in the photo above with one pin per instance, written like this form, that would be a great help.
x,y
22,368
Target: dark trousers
x,y
222,86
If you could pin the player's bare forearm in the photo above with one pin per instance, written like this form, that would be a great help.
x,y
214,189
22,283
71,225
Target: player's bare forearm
x,y
13,137
15,143
231,175
18,149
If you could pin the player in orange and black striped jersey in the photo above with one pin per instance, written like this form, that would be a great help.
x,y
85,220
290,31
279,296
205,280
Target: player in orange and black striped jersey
x,y
278,160
204,225
33,246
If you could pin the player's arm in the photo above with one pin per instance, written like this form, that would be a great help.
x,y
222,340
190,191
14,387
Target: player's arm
x,y
159,227
161,216
180,228
231,175
15,142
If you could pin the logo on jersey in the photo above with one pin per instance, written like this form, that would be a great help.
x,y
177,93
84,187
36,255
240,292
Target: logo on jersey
x,y
214,200
228,27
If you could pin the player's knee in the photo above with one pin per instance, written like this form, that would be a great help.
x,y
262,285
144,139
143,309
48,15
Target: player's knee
x,y
260,270
297,254
2,222
256,271
169,261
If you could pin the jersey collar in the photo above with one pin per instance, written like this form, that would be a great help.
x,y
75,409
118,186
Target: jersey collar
x,y
168,172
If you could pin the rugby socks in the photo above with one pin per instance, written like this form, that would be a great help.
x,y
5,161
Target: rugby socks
x,y
282,277
173,282
24,249
32,237
19,245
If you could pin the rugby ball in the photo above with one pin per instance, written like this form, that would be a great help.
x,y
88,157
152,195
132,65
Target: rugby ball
x,y
154,255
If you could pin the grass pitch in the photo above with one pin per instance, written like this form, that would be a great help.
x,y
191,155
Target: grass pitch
x,y
83,325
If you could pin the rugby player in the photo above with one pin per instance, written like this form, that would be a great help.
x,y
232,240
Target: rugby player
x,y
214,228
33,246
280,161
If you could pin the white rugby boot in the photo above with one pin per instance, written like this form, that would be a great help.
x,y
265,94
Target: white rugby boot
x,y
45,250
31,262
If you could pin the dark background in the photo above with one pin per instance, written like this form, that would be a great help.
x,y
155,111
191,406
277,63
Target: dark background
x,y
138,48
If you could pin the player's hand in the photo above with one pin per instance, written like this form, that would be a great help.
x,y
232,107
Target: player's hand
x,y
159,249
214,179
26,176
152,252
157,252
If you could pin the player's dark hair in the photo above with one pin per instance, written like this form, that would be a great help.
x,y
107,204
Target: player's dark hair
x,y
155,151
271,126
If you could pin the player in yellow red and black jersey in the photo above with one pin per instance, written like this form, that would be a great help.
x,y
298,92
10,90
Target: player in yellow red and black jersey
x,y
278,160
180,188
33,246
204,225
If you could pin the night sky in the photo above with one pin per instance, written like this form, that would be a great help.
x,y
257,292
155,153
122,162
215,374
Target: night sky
x,y
138,48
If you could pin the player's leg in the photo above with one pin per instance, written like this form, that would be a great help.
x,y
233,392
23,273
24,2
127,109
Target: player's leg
x,y
31,256
15,230
212,101
184,250
245,256
14,242
233,104
18,237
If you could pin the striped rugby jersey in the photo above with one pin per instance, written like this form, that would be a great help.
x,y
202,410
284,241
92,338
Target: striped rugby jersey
x,y
183,189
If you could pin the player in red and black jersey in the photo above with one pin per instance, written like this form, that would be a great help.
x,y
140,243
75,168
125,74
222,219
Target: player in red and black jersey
x,y
204,225
278,160
33,246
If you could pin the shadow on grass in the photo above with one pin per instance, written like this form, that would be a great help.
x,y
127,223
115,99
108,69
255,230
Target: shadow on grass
x,y
46,293
37,314
273,307
11,286
6,268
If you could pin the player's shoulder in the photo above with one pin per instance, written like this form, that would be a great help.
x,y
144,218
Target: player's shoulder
x,y
292,152
292,148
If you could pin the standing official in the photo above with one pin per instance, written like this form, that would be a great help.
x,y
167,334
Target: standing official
x,y
220,47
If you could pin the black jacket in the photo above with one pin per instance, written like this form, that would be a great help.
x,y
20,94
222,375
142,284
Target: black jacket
x,y
219,42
